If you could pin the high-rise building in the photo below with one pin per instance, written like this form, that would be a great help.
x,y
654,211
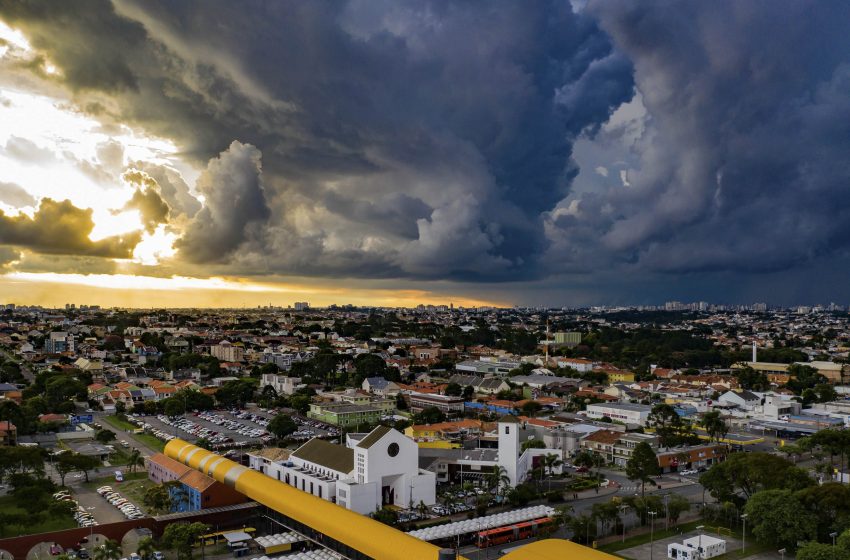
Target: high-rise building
x,y
302,306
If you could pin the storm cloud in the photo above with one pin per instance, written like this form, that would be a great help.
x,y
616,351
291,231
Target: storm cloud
x,y
419,139
438,140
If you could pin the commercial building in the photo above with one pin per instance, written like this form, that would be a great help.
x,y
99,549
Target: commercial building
x,y
377,470
346,415
700,547
444,403
282,384
624,412
227,352
58,342
568,339
194,490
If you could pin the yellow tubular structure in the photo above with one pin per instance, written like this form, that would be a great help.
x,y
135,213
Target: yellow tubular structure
x,y
362,533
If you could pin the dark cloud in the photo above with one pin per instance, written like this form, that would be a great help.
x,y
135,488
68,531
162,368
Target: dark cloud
x,y
62,228
742,165
235,205
15,195
420,139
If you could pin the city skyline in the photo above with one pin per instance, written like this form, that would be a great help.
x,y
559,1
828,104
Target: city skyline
x,y
387,154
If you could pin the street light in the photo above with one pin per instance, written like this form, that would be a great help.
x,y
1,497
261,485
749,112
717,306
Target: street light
x,y
833,535
652,514
623,508
781,552
744,534
666,513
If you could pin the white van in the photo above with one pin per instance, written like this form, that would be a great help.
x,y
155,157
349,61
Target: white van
x,y
119,476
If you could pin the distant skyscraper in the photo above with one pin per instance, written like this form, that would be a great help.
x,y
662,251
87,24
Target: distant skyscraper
x,y
302,306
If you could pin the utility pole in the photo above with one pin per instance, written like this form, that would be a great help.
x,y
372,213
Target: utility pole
x,y
666,513
652,515
623,508
744,533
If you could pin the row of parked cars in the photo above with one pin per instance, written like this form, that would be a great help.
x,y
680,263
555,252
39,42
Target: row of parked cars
x,y
81,516
238,427
124,505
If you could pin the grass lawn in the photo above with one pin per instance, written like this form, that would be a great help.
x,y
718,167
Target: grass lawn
x,y
120,424
147,439
134,488
643,539
49,522
150,441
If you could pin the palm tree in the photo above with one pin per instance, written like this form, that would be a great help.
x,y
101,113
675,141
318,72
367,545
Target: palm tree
x,y
135,460
110,550
422,508
551,462
498,479
145,547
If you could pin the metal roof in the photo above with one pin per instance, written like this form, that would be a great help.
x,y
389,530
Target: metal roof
x,y
373,437
331,455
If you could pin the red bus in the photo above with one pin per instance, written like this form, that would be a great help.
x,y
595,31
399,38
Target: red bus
x,y
511,533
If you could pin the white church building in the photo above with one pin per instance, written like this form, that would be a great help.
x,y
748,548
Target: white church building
x,y
378,470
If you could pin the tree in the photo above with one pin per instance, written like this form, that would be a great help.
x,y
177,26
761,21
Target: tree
x,y
583,528
180,537
667,424
178,495
498,478
104,436
84,464
775,518
752,380
110,550
531,408
533,444
747,473
453,389
386,516
235,393
676,506
135,460
820,551
642,465
551,462
282,426
430,415
608,513
173,407
714,425
64,466
145,547
157,498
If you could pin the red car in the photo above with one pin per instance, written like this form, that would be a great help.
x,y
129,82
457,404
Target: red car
x,y
581,469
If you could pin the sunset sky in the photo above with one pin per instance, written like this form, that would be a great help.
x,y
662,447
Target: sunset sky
x,y
401,152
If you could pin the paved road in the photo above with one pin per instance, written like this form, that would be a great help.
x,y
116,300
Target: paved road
x,y
25,370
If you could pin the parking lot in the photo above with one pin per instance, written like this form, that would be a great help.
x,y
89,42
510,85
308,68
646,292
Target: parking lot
x,y
229,429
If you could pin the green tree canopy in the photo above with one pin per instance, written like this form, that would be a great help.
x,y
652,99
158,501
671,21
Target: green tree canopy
x,y
642,465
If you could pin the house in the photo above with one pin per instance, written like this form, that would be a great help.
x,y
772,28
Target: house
x,y
602,443
742,399
8,433
380,386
